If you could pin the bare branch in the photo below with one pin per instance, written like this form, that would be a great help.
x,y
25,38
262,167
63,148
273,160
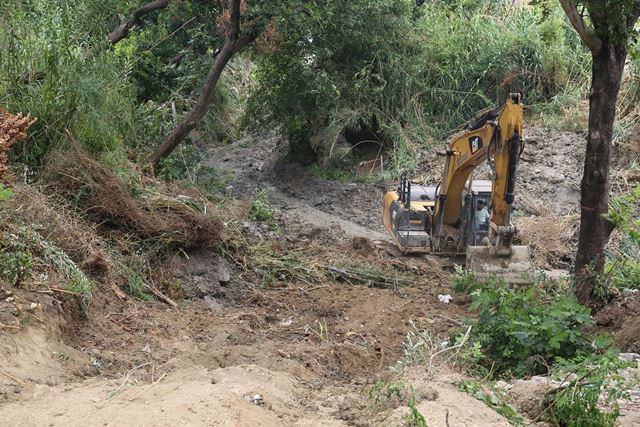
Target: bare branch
x,y
589,38
123,29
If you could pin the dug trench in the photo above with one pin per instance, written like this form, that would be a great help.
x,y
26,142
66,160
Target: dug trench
x,y
250,342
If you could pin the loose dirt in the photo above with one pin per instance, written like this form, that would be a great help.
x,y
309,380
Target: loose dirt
x,y
237,352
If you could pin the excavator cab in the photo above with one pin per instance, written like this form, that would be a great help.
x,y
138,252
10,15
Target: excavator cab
x,y
481,201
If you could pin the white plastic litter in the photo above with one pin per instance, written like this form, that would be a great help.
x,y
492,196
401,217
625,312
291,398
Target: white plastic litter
x,y
445,298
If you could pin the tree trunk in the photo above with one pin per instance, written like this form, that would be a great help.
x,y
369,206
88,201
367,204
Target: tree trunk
x,y
232,45
607,68
123,29
199,110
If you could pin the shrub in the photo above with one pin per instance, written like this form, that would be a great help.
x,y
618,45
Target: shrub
x,y
591,398
136,287
623,267
15,263
623,274
261,209
519,332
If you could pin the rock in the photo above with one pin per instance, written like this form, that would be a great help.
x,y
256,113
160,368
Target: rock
x,y
628,357
553,176
204,273
146,349
445,298
503,385
255,398
212,304
430,394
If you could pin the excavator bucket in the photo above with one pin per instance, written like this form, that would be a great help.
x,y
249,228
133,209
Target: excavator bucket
x,y
514,269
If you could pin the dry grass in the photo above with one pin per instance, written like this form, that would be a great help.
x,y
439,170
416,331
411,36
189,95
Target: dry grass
x,y
164,219
55,221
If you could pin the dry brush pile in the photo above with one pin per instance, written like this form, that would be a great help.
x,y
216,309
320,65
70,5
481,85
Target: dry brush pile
x,y
100,227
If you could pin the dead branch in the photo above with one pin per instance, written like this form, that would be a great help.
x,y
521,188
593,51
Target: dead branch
x,y
454,347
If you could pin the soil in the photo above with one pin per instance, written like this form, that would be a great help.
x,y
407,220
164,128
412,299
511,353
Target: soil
x,y
236,352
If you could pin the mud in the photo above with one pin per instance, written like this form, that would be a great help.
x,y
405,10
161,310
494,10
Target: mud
x,y
354,206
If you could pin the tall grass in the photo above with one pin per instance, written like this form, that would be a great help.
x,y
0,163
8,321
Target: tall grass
x,y
55,64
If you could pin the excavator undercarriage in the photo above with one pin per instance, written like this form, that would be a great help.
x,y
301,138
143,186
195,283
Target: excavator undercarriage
x,y
460,215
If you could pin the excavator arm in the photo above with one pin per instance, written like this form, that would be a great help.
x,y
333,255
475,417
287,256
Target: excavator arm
x,y
496,139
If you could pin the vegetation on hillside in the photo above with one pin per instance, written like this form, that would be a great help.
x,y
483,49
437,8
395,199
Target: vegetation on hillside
x,y
82,109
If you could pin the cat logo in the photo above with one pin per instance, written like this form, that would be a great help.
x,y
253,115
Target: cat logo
x,y
475,143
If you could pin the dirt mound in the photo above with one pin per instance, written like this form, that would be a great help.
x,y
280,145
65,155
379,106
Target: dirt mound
x,y
620,318
101,194
552,239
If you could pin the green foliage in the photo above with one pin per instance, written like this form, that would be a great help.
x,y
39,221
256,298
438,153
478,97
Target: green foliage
x,y
23,245
274,268
476,390
385,395
187,163
15,263
623,269
56,65
431,69
590,384
136,287
261,209
623,274
519,332
609,19
624,213
415,418
5,193
371,275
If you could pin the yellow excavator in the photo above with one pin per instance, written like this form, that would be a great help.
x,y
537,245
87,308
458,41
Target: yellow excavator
x,y
461,215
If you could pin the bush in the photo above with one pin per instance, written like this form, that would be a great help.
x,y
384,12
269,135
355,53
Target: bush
x,y
136,287
596,385
261,209
623,267
56,65
519,332
623,274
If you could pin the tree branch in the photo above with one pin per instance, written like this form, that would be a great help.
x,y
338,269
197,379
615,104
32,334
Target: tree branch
x,y
589,38
123,29
244,40
233,43
234,21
